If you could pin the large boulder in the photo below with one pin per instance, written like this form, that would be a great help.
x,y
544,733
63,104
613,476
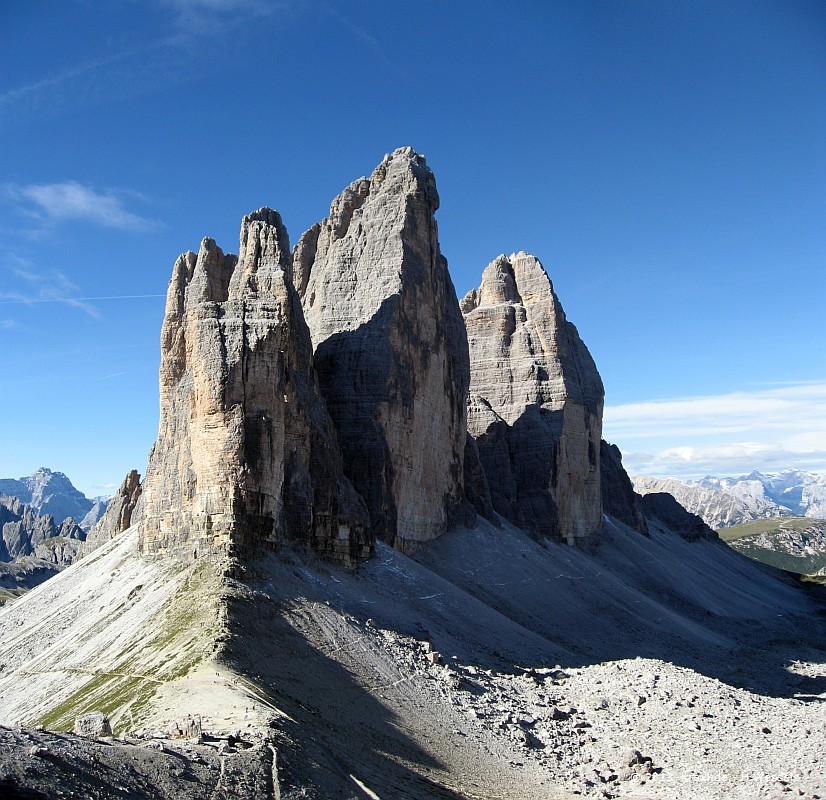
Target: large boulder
x,y
390,348
536,402
246,453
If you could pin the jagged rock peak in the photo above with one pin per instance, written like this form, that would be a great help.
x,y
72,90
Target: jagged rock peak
x,y
48,492
246,453
119,513
536,401
390,347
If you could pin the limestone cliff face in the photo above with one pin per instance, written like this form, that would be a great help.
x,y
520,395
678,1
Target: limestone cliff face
x,y
246,453
536,402
390,348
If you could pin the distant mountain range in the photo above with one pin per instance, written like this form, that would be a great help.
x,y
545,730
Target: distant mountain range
x,y
52,493
43,521
723,502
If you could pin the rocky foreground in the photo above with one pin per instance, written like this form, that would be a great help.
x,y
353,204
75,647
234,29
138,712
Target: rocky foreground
x,y
644,668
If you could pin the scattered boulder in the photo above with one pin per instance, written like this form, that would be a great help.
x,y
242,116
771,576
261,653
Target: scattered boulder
x,y
93,725
187,728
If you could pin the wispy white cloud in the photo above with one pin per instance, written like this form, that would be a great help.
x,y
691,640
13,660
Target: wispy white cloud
x,y
196,15
174,55
72,201
145,66
44,286
782,426
363,35
7,324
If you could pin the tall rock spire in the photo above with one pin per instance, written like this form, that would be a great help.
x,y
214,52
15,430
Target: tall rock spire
x,y
246,453
390,347
536,401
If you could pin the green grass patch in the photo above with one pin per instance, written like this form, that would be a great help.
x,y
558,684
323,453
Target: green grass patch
x,y
174,641
114,695
759,526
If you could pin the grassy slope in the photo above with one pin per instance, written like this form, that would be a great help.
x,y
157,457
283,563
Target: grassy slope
x,y
766,525
743,538
106,634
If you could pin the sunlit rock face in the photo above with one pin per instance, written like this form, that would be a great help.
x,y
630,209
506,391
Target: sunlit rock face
x,y
246,453
536,399
119,512
390,348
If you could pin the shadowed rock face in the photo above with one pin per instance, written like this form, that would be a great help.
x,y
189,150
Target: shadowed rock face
x,y
536,402
618,496
665,509
246,453
390,348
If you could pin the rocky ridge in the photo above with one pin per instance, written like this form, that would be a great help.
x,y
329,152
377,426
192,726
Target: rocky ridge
x,y
718,507
796,544
25,532
802,493
535,406
118,514
464,660
724,502
619,499
32,547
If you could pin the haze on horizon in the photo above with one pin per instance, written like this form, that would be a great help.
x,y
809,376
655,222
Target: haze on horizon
x,y
665,161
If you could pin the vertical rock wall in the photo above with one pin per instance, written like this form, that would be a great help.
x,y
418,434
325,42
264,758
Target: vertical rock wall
x,y
618,496
390,348
536,402
246,453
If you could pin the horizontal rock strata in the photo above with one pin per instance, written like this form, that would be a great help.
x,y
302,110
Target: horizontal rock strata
x,y
390,348
536,402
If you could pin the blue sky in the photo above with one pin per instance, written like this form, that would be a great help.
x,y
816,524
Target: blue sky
x,y
665,160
